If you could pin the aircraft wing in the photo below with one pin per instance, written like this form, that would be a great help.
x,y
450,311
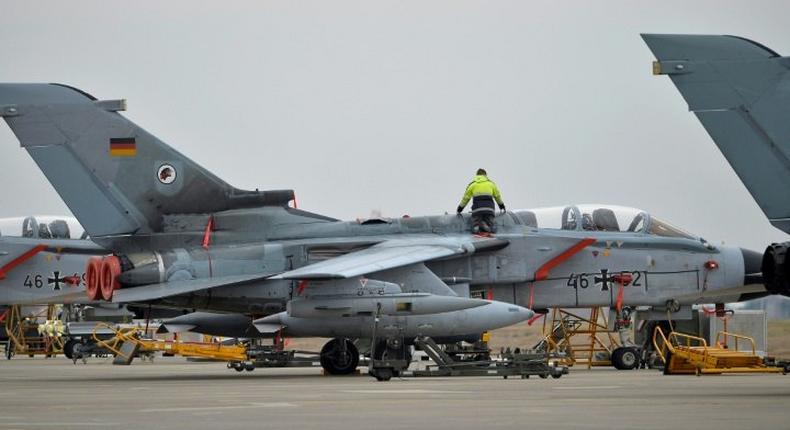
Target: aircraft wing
x,y
165,289
392,254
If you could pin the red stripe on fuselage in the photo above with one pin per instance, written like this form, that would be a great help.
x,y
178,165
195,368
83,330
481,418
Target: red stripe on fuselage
x,y
21,259
543,272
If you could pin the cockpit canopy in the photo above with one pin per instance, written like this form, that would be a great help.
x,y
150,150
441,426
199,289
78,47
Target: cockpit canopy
x,y
43,227
591,217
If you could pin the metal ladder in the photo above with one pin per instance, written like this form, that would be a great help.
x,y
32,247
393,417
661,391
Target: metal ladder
x,y
433,350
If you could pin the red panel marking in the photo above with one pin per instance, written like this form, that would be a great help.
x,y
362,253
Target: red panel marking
x,y
490,294
543,272
21,259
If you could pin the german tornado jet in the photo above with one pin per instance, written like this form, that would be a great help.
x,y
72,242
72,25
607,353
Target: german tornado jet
x,y
178,236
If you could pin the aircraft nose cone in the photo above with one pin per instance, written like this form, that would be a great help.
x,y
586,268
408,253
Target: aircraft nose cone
x,y
508,314
752,266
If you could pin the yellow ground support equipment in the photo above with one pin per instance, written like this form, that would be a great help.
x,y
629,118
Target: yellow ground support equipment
x,y
24,337
126,344
686,354
578,339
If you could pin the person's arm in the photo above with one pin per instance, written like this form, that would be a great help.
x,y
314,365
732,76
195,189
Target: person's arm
x,y
465,199
498,197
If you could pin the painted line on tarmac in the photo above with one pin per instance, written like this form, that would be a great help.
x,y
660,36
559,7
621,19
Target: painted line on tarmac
x,y
220,408
405,392
26,424
589,387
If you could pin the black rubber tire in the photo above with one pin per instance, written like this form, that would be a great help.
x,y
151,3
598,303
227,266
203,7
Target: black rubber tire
x,y
68,349
624,358
383,375
337,362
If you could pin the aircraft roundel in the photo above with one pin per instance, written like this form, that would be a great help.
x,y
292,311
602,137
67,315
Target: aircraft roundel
x,y
166,174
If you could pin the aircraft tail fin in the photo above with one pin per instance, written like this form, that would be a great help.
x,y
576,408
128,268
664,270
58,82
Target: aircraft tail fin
x,y
740,92
114,176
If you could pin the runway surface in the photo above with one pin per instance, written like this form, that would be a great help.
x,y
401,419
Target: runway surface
x,y
175,394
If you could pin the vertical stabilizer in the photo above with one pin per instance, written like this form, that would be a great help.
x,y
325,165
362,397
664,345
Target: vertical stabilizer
x,y
740,92
114,176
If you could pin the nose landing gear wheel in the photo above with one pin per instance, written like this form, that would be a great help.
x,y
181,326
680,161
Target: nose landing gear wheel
x,y
339,357
625,358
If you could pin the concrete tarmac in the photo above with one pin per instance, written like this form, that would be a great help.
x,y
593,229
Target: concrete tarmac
x,y
175,394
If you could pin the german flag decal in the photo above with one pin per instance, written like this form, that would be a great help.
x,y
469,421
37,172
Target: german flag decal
x,y
123,147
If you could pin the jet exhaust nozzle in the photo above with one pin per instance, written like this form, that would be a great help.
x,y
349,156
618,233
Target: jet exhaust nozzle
x,y
775,268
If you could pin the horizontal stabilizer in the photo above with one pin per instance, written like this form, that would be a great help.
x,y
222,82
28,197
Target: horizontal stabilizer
x,y
166,289
740,92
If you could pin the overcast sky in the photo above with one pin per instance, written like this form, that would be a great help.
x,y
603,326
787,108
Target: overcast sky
x,y
391,106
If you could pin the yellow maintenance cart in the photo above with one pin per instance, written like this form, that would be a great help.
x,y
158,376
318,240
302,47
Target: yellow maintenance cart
x,y
691,355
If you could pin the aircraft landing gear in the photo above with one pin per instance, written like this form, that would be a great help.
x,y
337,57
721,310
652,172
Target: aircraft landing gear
x,y
390,357
68,349
339,357
627,356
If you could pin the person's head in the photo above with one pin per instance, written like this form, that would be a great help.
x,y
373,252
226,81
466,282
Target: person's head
x,y
482,172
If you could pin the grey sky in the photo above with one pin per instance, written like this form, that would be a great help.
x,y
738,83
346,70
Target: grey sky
x,y
391,106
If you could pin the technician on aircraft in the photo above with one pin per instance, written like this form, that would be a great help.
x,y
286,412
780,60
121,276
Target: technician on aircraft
x,y
483,192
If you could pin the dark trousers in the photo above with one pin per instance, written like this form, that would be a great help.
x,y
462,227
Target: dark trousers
x,y
483,221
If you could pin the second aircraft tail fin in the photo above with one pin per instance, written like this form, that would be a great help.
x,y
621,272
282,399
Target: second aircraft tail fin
x,y
740,92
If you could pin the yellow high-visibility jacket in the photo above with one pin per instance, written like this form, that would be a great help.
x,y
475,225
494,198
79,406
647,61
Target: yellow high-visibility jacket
x,y
481,186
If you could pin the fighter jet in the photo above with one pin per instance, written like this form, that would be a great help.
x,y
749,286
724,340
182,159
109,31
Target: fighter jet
x,y
42,260
179,236
740,91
